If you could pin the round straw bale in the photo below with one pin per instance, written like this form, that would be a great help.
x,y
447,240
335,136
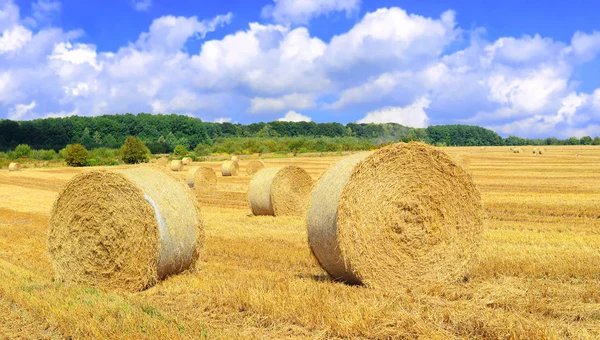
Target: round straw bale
x,y
123,229
280,191
540,151
14,166
402,215
230,168
235,158
186,160
535,150
161,162
201,177
254,166
176,165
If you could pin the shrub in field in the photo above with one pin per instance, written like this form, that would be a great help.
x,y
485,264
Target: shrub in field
x,y
44,155
22,150
135,151
180,150
202,150
76,155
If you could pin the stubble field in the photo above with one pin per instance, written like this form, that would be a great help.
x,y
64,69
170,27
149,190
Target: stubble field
x,y
537,273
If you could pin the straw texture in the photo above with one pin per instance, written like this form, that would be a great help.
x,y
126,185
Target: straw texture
x,y
280,191
14,166
201,178
397,217
123,230
254,166
230,168
186,160
176,165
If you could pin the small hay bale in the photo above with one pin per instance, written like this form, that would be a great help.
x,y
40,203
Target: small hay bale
x,y
280,191
201,178
254,166
535,151
235,158
161,162
176,165
230,168
186,160
516,150
540,151
403,215
123,230
14,166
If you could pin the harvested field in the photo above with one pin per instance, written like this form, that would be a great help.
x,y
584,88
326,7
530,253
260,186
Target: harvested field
x,y
536,272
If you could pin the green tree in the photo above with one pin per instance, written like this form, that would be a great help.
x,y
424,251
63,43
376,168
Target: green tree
x,y
596,141
76,155
573,141
180,150
86,139
202,150
22,150
97,138
134,151
586,140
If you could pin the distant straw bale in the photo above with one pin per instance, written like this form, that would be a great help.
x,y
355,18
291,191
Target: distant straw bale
x,y
235,158
186,160
161,162
202,178
516,150
280,191
535,151
230,168
402,215
14,166
123,230
176,165
540,151
254,166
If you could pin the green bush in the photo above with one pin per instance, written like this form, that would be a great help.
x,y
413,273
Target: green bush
x,y
44,155
22,150
180,150
75,155
135,151
202,150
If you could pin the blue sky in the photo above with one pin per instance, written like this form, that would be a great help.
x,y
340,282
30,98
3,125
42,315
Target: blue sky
x,y
519,68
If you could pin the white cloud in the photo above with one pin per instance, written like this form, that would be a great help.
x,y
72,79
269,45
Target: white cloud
x,y
413,115
223,120
301,12
44,11
142,5
293,116
9,14
14,39
79,54
21,110
294,100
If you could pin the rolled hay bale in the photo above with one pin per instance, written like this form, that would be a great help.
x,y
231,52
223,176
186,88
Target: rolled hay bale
x,y
235,158
280,191
124,229
254,166
516,150
535,151
161,162
540,151
403,215
14,166
230,168
176,165
201,178
186,160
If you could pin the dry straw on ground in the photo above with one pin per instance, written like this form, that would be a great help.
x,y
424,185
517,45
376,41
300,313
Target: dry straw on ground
x,y
186,160
161,162
201,178
230,168
235,158
402,215
14,166
124,229
280,191
176,165
254,166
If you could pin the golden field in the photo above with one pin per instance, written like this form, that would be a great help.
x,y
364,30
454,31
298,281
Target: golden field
x,y
537,273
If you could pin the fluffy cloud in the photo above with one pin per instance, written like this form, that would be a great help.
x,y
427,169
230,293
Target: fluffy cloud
x,y
390,66
301,12
293,116
413,115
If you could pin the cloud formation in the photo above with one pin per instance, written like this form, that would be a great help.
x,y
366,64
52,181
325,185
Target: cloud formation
x,y
293,116
301,12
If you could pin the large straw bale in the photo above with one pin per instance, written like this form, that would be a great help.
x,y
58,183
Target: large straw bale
x,y
14,166
176,165
254,166
230,168
280,191
402,215
123,230
186,160
201,178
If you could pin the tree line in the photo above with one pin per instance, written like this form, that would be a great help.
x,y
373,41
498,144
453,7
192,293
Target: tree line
x,y
162,133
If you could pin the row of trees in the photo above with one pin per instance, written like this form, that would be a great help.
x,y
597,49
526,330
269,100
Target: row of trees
x,y
162,133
